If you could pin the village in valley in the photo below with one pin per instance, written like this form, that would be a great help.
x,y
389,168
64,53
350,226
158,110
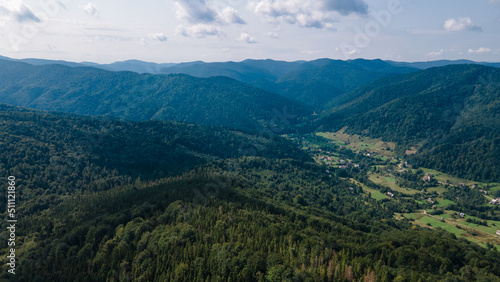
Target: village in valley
x,y
425,197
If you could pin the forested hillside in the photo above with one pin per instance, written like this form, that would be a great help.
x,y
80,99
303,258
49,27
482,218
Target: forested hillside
x,y
62,154
250,219
217,101
449,113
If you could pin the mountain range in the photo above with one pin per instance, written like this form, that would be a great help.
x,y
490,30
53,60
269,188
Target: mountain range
x,y
123,176
310,82
449,114
218,101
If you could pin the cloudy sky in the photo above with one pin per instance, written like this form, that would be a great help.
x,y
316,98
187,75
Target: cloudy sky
x,y
166,31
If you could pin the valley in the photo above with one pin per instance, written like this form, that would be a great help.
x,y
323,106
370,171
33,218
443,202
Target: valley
x,y
385,177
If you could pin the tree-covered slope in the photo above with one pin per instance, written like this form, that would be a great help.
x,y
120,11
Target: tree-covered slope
x,y
217,101
450,113
250,219
315,86
59,154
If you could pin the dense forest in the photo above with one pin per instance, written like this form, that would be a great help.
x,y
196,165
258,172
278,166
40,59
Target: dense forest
x,y
59,154
248,219
450,113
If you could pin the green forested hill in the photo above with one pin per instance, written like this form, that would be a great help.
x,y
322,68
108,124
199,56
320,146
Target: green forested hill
x,y
61,154
217,101
450,113
250,219
315,86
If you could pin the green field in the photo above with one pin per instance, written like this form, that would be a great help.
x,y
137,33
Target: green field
x,y
435,223
391,183
411,215
440,189
443,203
483,234
358,142
375,194
442,177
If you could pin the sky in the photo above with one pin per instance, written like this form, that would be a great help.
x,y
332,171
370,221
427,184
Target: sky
x,y
173,31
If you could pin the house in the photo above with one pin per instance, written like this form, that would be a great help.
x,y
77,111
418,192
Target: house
x,y
390,194
498,232
462,215
495,201
461,184
427,178
484,192
430,200
473,186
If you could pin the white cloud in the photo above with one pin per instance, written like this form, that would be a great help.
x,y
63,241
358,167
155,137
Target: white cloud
x,y
195,11
17,10
479,51
436,53
158,36
273,35
90,9
462,24
230,16
200,31
245,37
204,20
307,13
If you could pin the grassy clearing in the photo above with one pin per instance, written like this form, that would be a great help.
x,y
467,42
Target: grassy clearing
x,y
458,226
413,216
442,177
358,142
444,203
439,189
494,187
375,194
391,183
435,223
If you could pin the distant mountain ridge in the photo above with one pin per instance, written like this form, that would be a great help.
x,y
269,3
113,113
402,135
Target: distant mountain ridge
x,y
310,82
313,83
216,101
128,65
441,63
